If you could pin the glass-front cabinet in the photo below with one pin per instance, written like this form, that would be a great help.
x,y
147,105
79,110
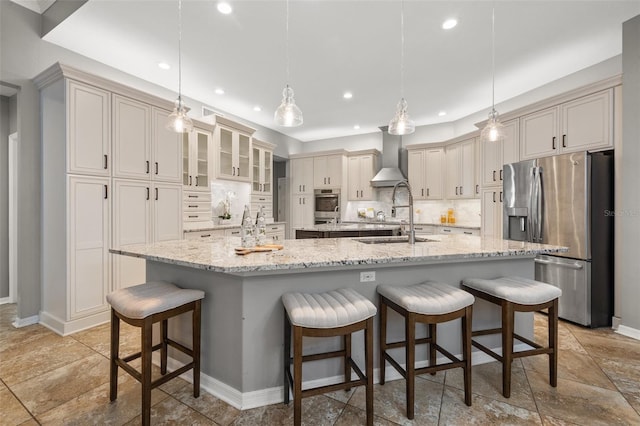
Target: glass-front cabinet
x,y
196,167
262,167
234,150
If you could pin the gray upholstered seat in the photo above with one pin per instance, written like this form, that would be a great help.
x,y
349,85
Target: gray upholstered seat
x,y
428,298
150,298
336,308
515,289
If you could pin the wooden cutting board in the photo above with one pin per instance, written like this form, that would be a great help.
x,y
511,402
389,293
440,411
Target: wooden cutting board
x,y
258,249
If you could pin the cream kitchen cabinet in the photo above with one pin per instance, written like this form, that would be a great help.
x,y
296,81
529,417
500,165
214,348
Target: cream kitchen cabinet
x,y
425,172
301,212
302,175
196,160
276,232
262,165
265,202
233,145
361,169
496,154
196,206
328,171
89,129
204,235
456,230
491,216
232,232
585,123
460,169
143,147
143,213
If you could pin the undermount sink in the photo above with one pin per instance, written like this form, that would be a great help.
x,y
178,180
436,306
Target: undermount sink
x,y
392,240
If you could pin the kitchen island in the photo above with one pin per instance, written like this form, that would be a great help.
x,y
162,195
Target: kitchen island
x,y
242,315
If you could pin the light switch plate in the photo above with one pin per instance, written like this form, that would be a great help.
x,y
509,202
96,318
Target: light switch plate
x,y
366,277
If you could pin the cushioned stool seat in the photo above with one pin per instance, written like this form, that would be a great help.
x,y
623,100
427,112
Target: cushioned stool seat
x,y
430,303
516,294
142,306
334,313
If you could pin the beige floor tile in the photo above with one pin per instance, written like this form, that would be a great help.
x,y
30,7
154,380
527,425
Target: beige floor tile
x,y
13,412
552,421
482,411
626,377
58,386
355,416
95,405
566,339
580,403
98,338
342,395
316,411
207,405
172,412
486,380
13,339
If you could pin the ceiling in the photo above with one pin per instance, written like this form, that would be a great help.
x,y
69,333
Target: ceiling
x,y
348,45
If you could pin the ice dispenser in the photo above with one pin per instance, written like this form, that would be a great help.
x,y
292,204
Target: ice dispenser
x,y
517,224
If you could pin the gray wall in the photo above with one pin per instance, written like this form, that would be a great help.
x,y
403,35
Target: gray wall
x,y
628,222
4,197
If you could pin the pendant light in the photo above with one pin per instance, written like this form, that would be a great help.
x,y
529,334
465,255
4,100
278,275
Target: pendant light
x,y
494,130
288,114
179,121
401,123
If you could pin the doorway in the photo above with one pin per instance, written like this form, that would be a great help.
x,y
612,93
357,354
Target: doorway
x,y
13,217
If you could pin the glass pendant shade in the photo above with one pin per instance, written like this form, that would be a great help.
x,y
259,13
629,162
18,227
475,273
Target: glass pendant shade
x,y
494,130
179,121
288,114
401,123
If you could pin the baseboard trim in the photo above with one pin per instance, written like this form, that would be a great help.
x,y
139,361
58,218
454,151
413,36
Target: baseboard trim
x,y
23,322
65,328
6,300
634,333
274,395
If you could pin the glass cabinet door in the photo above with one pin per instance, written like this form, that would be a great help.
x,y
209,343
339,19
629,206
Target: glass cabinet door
x,y
244,147
267,174
226,152
202,158
186,153
256,180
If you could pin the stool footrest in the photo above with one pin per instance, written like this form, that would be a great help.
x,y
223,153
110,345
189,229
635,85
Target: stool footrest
x,y
332,388
403,343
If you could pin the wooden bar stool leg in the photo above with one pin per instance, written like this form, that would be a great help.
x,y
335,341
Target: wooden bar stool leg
x,y
115,354
466,351
433,328
147,337
163,348
553,343
197,339
410,334
507,346
347,355
368,355
382,329
297,375
287,356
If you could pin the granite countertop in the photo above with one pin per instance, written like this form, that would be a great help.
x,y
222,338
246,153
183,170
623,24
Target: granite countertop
x,y
310,254
210,227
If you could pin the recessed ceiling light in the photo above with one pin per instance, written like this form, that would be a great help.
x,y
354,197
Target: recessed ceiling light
x,y
164,65
449,23
442,113
257,108
347,95
224,8
356,127
219,91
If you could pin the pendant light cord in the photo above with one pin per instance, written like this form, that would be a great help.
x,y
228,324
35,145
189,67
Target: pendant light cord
x,y
287,41
402,49
493,57
180,50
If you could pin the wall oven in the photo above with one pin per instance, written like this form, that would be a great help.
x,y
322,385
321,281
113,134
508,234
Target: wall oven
x,y
327,205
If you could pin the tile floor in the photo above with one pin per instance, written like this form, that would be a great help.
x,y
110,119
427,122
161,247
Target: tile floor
x,y
47,379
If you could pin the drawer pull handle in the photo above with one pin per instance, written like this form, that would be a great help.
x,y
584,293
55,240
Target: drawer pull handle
x,y
205,235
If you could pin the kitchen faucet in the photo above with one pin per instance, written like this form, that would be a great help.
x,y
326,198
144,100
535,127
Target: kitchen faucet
x,y
336,216
412,231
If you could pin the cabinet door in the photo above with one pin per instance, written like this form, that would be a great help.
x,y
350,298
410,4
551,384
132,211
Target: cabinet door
x,y
200,160
131,138
88,118
334,171
88,244
243,162
367,172
353,170
466,171
586,123
491,162
167,212
510,145
302,174
267,172
452,182
320,172
131,225
257,170
538,134
166,149
226,166
415,165
433,173
491,226
301,212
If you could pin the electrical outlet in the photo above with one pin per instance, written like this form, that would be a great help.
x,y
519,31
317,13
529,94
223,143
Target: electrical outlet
x,y
367,277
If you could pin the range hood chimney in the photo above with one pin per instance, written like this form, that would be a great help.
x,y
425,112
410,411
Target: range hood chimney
x,y
393,168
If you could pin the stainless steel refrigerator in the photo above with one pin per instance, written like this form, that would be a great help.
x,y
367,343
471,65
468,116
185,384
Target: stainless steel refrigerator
x,y
567,200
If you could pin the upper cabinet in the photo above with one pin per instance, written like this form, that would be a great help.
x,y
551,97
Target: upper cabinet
x,y
328,170
460,161
585,123
496,154
88,121
196,164
262,165
233,144
143,147
361,169
302,175
425,167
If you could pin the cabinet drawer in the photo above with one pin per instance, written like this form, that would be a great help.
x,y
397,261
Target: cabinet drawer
x,y
232,232
424,229
190,196
196,206
275,229
196,216
201,235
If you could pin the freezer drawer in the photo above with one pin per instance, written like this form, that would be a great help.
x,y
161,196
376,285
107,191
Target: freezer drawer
x,y
573,277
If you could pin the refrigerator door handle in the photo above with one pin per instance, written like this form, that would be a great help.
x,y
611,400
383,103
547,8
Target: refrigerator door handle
x,y
537,199
577,266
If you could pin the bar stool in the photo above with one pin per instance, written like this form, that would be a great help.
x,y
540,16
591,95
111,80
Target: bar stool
x,y
516,294
142,306
334,313
430,303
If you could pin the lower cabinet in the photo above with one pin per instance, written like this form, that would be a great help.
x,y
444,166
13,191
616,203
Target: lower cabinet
x,y
491,217
204,235
276,232
302,209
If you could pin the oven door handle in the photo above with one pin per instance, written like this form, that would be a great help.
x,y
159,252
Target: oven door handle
x,y
575,265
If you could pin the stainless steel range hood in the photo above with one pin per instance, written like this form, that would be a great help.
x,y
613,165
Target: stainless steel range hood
x,y
394,161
